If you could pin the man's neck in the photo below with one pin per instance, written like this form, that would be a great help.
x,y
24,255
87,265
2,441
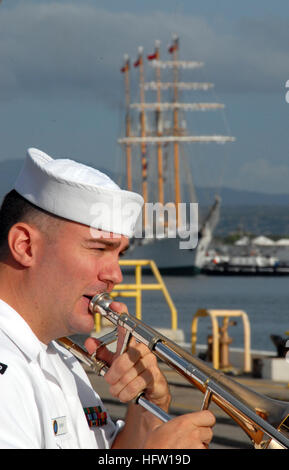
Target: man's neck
x,y
17,292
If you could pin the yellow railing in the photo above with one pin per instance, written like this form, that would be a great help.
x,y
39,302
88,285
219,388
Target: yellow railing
x,y
135,290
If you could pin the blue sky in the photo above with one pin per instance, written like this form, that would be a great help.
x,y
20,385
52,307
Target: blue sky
x,y
61,88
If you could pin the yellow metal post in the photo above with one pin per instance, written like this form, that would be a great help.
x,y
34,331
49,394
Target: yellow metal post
x,y
97,322
138,279
136,289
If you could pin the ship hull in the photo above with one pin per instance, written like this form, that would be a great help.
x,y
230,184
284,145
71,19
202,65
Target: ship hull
x,y
170,255
166,253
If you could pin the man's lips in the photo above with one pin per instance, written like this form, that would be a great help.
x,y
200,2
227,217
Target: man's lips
x,y
87,299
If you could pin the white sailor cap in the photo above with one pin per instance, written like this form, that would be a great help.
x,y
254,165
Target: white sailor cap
x,y
78,193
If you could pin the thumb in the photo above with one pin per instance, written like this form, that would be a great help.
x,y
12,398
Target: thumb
x,y
93,345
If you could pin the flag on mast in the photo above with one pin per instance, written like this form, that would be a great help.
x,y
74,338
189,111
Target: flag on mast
x,y
152,56
139,58
174,46
137,62
125,68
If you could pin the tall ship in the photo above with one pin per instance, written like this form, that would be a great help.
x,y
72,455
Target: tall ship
x,y
172,231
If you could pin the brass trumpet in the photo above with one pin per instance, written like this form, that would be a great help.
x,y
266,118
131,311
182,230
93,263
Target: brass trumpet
x,y
264,420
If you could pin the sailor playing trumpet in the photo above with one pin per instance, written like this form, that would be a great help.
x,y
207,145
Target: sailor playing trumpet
x,y
62,230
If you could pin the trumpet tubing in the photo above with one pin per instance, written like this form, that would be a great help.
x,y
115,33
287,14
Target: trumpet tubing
x,y
264,420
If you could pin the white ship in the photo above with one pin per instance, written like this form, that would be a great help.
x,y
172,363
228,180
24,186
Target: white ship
x,y
158,146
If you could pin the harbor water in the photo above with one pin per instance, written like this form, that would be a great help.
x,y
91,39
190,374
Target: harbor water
x,y
264,299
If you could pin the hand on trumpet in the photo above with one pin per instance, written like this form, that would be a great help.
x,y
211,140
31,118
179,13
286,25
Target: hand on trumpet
x,y
134,371
189,431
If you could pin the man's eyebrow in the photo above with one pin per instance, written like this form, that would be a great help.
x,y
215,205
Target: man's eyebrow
x,y
105,241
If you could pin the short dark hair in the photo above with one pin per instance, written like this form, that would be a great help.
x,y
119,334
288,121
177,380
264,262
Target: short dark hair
x,y
15,208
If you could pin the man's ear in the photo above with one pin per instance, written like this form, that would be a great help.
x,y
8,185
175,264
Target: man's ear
x,y
23,241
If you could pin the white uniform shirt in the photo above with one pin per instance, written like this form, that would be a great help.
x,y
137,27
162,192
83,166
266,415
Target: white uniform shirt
x,y
43,391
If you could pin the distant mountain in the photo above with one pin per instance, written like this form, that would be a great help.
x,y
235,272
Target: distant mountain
x,y
235,197
258,220
9,170
254,212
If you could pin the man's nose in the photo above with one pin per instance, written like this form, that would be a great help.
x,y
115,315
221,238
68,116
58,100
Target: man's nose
x,y
111,274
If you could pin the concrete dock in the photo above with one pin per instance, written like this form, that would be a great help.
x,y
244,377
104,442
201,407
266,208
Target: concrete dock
x,y
185,398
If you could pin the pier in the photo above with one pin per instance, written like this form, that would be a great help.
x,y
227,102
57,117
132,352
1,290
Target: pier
x,y
262,372
185,399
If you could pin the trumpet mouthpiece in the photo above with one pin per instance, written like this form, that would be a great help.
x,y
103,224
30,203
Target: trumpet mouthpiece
x,y
100,303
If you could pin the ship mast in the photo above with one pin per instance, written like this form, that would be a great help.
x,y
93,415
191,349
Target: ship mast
x,y
139,63
159,130
175,136
125,69
174,50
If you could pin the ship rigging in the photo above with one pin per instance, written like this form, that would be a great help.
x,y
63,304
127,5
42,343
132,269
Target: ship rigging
x,y
161,137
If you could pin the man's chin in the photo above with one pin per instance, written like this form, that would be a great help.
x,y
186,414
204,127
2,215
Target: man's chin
x,y
83,319
82,328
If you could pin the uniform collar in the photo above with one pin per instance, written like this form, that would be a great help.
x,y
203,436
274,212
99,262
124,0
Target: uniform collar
x,y
19,331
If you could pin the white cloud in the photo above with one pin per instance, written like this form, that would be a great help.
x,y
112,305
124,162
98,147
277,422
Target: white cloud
x,y
62,47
